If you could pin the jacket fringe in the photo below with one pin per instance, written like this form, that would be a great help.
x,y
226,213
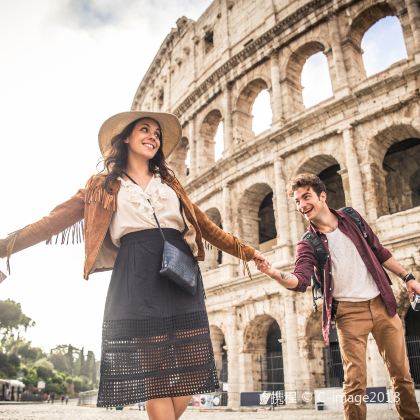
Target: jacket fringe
x,y
10,246
98,194
239,249
239,252
74,234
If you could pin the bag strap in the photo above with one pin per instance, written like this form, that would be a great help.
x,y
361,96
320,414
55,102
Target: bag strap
x,y
356,218
154,214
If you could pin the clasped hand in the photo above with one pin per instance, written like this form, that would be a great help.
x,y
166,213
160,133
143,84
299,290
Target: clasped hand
x,y
261,262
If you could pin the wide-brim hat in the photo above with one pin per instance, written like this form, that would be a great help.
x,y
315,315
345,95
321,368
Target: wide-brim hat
x,y
169,125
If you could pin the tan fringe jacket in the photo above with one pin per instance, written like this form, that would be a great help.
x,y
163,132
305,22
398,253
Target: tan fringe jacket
x,y
87,215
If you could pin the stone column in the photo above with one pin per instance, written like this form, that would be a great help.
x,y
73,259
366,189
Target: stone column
x,y
281,209
227,121
232,356
227,219
291,360
377,374
413,10
192,142
355,177
276,98
340,79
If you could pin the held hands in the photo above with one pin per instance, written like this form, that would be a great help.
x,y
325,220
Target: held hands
x,y
262,263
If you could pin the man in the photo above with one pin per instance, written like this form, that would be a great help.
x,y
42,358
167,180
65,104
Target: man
x,y
356,293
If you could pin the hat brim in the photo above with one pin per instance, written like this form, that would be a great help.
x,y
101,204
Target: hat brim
x,y
169,125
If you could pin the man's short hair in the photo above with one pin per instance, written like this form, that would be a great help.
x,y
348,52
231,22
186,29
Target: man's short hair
x,y
307,180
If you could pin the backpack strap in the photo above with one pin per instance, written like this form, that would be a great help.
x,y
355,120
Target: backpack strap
x,y
351,212
321,256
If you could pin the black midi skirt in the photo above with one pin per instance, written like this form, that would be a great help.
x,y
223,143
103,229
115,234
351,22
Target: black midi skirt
x,y
155,337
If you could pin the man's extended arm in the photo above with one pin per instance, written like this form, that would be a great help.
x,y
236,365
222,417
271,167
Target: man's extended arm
x,y
393,265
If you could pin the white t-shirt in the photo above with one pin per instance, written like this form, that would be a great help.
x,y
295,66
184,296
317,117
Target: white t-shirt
x,y
134,213
351,280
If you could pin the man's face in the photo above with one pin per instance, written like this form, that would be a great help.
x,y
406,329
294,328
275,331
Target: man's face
x,y
308,203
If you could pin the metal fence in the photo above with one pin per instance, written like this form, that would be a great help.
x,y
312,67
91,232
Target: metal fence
x,y
413,351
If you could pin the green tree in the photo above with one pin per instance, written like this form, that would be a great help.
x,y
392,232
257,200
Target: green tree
x,y
90,367
44,369
12,320
30,376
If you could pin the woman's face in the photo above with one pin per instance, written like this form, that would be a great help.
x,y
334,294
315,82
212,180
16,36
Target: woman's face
x,y
144,140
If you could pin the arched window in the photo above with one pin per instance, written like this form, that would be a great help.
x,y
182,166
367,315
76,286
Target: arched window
x,y
315,78
334,185
256,216
214,257
383,44
244,122
274,359
210,129
219,145
220,352
267,223
334,375
262,115
402,166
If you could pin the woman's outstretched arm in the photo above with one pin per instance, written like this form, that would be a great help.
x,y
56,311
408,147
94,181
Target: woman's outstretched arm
x,y
60,218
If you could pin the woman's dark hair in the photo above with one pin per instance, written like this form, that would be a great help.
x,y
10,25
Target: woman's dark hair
x,y
116,162
307,180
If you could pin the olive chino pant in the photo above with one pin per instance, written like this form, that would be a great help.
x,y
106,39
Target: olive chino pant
x,y
354,322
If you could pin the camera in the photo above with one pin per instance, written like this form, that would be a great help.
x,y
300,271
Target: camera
x,y
415,302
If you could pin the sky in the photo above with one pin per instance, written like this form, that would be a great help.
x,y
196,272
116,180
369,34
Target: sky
x,y
66,66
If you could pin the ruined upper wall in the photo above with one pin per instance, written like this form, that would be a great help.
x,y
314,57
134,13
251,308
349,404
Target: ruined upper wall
x,y
224,35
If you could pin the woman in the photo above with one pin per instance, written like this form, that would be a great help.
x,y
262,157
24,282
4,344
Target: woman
x,y
156,341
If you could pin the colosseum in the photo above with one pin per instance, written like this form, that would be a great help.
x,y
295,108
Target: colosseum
x,y
363,140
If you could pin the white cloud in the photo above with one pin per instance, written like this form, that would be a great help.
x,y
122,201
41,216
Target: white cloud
x,y
66,66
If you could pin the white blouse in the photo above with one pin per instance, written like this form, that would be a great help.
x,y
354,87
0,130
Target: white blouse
x,y
134,213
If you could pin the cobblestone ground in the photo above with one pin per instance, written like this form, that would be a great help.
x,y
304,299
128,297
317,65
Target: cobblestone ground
x,y
73,412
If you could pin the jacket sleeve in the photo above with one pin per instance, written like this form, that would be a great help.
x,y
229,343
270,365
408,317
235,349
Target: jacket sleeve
x,y
221,239
60,218
305,263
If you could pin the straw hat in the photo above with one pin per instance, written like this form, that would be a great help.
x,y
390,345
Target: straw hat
x,y
169,124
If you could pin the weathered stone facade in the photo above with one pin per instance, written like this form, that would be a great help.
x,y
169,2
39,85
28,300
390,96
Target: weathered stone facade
x,y
364,141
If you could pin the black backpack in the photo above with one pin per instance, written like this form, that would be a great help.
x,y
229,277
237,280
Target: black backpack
x,y
321,255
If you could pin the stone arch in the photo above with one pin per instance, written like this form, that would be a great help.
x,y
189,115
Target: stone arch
x,y
402,167
259,338
329,170
315,349
178,160
352,42
242,112
316,81
393,169
214,257
206,140
376,47
256,214
293,71
220,352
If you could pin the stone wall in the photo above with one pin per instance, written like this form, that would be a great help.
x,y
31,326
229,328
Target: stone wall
x,y
364,141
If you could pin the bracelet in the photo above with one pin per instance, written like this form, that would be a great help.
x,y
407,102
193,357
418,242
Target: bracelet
x,y
408,277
